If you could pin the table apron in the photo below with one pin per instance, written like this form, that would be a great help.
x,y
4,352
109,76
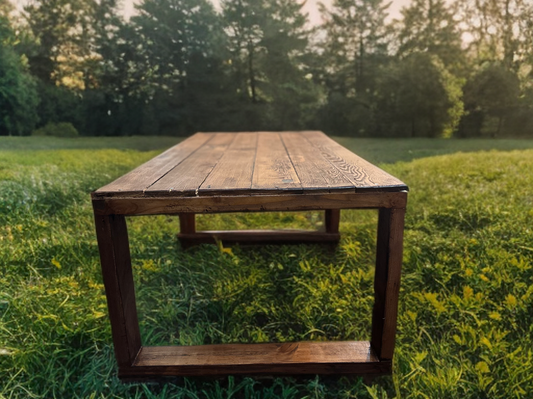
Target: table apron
x,y
260,203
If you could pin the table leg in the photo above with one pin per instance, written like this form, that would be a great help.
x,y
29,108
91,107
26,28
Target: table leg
x,y
387,281
112,235
187,223
332,218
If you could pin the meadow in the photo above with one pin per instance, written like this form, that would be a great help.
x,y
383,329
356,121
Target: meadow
x,y
465,326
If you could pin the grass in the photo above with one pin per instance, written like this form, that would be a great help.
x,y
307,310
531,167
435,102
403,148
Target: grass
x,y
466,301
139,143
375,150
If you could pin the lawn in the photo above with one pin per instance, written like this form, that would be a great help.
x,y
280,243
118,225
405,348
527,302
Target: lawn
x,y
466,301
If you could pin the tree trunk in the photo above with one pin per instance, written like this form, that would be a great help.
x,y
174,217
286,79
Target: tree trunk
x,y
508,45
359,81
251,74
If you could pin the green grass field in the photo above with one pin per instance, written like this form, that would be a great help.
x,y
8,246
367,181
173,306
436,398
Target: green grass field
x,y
466,303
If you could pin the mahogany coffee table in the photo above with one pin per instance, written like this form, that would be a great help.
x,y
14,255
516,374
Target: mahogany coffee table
x,y
251,172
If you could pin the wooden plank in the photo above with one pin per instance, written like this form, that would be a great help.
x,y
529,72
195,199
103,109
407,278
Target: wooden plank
x,y
363,174
273,169
332,218
314,171
387,281
186,178
112,236
258,237
247,354
348,357
246,203
148,173
156,373
233,172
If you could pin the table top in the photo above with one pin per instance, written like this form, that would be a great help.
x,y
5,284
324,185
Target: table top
x,y
252,163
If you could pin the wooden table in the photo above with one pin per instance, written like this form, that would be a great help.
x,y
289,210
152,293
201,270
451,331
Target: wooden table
x,y
251,172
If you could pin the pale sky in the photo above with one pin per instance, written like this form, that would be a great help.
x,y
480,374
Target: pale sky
x,y
311,7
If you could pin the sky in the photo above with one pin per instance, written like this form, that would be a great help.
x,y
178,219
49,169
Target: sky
x,y
311,7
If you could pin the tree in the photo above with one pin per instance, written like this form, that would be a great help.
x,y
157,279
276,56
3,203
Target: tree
x,y
356,41
490,96
430,26
5,9
244,20
179,45
18,97
290,89
268,41
497,91
355,46
172,33
65,32
526,36
418,97
499,30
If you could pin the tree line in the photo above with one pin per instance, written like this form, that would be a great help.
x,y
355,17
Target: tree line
x,y
443,69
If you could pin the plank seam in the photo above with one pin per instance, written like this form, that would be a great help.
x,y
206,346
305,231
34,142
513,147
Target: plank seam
x,y
175,166
213,168
292,163
255,159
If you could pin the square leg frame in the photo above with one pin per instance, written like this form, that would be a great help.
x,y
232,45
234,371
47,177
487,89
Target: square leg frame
x,y
136,362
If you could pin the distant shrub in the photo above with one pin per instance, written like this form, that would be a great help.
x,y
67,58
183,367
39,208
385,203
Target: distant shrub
x,y
62,129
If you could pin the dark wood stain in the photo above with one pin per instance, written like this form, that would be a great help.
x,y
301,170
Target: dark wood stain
x,y
251,172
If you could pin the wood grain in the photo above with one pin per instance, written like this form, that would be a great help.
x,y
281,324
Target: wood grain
x,y
139,179
387,281
186,178
306,358
252,163
233,173
273,169
314,172
363,174
247,354
112,236
246,203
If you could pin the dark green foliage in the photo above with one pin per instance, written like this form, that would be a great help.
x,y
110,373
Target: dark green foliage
x,y
348,116
180,66
58,104
354,49
491,97
418,98
18,97
267,42
62,129
175,37
355,44
519,121
180,58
